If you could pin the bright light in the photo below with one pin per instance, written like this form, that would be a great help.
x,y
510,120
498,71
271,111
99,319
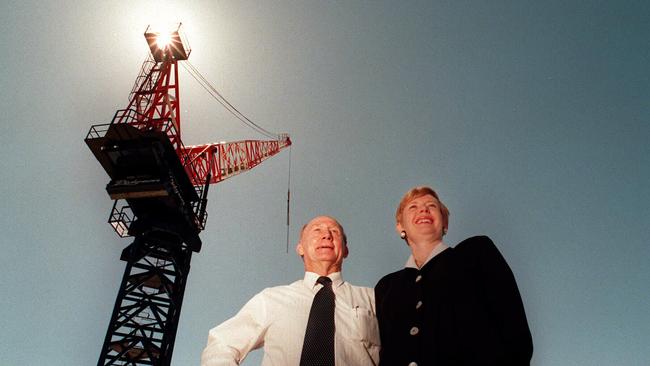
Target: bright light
x,y
163,39
167,42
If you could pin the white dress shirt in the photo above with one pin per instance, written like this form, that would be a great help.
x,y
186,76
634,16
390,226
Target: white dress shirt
x,y
276,319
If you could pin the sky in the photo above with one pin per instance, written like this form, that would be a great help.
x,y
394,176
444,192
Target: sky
x,y
530,119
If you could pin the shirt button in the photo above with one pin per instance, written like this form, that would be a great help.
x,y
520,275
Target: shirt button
x,y
413,364
418,305
418,278
414,331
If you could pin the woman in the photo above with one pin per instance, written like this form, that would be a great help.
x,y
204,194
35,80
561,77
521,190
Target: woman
x,y
449,306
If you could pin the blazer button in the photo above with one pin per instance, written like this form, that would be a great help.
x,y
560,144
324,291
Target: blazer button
x,y
418,305
414,331
418,278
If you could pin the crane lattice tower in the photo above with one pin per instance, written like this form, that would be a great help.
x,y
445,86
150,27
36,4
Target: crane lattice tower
x,y
159,188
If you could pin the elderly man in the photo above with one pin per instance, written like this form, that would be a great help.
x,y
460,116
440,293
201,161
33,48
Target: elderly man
x,y
319,320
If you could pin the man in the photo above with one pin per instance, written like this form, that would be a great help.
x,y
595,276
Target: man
x,y
280,318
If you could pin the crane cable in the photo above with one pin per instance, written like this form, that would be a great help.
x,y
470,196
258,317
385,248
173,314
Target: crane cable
x,y
288,197
205,84
224,102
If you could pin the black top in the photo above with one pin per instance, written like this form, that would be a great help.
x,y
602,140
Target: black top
x,y
462,308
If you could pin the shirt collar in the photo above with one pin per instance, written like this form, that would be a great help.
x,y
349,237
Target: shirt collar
x,y
410,263
311,277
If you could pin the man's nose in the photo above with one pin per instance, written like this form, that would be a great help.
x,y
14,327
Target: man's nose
x,y
327,234
424,208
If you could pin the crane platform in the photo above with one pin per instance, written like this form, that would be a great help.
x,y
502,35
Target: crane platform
x,y
146,172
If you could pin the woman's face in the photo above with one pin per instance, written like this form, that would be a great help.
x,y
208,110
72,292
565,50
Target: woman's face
x,y
422,220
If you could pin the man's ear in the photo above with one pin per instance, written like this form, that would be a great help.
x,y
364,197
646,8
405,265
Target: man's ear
x,y
345,251
300,250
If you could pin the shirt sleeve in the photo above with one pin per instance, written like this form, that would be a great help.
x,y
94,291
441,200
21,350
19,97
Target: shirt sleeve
x,y
230,342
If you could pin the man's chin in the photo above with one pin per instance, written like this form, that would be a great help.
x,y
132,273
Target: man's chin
x,y
326,257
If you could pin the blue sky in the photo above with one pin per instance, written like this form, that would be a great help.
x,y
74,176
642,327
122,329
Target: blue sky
x,y
529,118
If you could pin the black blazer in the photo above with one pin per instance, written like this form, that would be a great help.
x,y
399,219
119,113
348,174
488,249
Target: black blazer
x,y
461,308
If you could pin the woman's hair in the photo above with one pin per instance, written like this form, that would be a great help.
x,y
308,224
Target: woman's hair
x,y
418,192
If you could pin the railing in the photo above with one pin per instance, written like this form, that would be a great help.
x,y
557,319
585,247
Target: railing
x,y
120,219
97,131
148,64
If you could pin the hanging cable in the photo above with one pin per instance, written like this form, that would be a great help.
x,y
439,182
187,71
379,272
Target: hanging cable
x,y
214,93
227,105
224,102
288,198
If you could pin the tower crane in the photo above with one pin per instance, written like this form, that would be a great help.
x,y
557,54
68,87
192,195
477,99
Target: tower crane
x,y
159,187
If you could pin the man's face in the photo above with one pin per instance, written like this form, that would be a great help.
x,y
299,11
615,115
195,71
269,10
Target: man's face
x,y
422,219
321,245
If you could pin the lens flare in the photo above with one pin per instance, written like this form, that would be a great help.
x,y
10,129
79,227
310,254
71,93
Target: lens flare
x,y
163,39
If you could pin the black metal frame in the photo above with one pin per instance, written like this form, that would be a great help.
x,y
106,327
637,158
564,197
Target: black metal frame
x,y
165,213
145,318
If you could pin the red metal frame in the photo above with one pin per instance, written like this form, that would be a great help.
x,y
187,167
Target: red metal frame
x,y
155,99
224,160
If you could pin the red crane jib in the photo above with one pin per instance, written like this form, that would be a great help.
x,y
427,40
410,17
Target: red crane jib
x,y
227,159
155,105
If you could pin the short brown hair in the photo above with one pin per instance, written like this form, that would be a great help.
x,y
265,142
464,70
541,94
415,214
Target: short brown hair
x,y
417,192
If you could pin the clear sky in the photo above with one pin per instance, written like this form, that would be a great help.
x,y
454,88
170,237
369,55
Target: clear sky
x,y
530,118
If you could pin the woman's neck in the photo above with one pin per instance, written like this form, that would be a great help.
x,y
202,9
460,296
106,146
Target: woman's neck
x,y
422,249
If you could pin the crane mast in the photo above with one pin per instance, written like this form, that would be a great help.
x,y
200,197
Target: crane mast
x,y
160,191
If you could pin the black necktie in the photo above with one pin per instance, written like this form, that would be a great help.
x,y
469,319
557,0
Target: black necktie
x,y
318,349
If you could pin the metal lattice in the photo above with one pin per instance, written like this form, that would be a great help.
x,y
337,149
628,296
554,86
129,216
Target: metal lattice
x,y
145,318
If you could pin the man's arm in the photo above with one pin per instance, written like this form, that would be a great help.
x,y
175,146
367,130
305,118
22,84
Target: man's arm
x,y
230,342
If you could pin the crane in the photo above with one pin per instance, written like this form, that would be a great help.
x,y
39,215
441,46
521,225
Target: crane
x,y
159,187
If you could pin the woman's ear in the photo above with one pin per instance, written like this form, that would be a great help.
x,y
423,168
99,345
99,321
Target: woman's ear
x,y
399,228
